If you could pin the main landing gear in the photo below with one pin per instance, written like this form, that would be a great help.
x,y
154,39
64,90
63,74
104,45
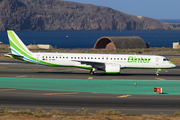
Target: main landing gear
x,y
94,70
157,72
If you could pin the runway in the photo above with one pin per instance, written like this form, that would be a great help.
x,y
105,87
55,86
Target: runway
x,y
72,101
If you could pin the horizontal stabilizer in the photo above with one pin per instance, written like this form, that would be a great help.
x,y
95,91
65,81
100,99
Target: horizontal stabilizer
x,y
14,55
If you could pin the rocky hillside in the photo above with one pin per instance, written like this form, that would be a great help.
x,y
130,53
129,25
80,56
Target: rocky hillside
x,y
22,15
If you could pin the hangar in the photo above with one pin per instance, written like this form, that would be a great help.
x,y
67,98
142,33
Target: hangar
x,y
120,42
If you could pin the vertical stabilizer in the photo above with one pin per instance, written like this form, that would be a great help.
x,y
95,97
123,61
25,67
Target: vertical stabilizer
x,y
17,46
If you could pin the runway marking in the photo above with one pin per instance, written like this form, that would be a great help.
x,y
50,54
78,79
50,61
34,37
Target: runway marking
x,y
21,76
160,79
90,77
7,63
7,89
60,93
124,96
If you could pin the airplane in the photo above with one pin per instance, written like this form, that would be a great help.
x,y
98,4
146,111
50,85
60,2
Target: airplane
x,y
110,63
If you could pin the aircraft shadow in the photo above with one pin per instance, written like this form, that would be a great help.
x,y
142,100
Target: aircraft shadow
x,y
104,74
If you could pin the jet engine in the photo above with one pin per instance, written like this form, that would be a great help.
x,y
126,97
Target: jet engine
x,y
112,68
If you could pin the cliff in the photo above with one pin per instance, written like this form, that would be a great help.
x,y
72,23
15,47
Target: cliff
x,y
23,15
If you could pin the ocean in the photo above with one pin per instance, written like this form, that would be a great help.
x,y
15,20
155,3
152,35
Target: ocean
x,y
87,39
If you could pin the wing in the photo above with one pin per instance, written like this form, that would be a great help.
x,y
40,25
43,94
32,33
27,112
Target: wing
x,y
94,64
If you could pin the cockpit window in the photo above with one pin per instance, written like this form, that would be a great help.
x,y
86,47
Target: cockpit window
x,y
165,59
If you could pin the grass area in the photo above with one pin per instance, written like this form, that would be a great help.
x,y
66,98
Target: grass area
x,y
40,114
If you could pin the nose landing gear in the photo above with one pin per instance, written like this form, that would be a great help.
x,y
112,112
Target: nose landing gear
x,y
157,72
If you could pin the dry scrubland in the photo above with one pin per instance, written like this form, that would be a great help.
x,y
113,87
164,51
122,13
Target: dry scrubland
x,y
40,114
151,51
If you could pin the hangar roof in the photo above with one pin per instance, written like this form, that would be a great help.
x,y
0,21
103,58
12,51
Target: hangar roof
x,y
120,42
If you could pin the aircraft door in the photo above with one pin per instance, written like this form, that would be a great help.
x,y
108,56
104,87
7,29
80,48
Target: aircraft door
x,y
37,58
157,61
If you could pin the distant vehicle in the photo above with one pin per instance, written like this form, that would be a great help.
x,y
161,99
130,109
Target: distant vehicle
x,y
110,63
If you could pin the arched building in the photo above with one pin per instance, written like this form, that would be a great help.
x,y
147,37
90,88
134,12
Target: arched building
x,y
122,42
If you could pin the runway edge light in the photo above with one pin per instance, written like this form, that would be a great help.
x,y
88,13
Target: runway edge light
x,y
157,90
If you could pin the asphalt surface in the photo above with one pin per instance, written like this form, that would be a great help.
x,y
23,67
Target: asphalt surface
x,y
72,101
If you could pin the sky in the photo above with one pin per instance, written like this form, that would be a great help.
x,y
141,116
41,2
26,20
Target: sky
x,y
156,9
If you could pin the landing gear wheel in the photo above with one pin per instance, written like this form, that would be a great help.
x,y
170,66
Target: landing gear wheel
x,y
94,70
91,72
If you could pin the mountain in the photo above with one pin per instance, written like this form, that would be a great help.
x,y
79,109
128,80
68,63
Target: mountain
x,y
24,15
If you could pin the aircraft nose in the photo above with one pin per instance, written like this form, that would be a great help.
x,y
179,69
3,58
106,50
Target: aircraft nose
x,y
173,66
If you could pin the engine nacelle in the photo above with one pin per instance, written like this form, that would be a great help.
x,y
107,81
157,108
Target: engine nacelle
x,y
112,68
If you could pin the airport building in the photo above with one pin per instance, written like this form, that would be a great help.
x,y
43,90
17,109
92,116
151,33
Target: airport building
x,y
40,46
176,45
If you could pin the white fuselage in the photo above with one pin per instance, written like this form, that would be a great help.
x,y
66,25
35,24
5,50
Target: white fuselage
x,y
124,60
